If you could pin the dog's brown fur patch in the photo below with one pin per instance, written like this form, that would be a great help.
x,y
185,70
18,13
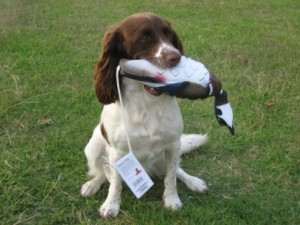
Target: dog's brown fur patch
x,y
103,132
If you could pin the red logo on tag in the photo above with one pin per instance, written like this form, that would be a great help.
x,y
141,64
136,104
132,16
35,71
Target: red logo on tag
x,y
137,171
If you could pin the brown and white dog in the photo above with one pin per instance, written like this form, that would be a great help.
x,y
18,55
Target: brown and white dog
x,y
154,122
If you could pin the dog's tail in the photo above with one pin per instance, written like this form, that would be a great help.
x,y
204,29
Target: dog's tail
x,y
190,142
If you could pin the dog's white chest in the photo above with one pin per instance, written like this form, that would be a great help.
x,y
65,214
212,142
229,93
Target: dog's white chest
x,y
152,128
151,137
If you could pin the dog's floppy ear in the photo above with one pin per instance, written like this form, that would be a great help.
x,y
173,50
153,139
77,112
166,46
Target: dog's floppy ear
x,y
105,72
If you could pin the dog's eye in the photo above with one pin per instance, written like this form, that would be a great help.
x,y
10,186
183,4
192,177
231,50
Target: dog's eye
x,y
145,36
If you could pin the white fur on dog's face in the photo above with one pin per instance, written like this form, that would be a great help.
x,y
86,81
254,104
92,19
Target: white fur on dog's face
x,y
167,55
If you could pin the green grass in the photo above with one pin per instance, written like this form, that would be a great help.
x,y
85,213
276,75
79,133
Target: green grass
x,y
48,109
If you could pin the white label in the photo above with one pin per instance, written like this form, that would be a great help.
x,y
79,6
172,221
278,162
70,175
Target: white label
x,y
134,175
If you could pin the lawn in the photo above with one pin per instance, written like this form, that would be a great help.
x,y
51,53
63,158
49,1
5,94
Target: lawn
x,y
48,50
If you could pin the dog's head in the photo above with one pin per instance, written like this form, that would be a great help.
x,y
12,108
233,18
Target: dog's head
x,y
139,36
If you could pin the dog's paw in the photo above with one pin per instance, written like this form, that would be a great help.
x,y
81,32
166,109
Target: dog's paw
x,y
110,208
90,188
197,185
172,202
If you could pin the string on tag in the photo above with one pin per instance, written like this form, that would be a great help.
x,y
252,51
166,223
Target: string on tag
x,y
139,183
122,107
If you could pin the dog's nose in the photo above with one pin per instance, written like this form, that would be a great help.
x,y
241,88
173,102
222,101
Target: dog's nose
x,y
172,58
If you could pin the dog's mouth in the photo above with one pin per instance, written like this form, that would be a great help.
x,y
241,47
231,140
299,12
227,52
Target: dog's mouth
x,y
152,91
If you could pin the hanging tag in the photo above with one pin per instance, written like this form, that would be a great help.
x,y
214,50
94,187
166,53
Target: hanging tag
x,y
134,175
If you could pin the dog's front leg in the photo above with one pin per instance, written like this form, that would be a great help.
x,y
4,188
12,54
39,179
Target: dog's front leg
x,y
171,198
111,206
